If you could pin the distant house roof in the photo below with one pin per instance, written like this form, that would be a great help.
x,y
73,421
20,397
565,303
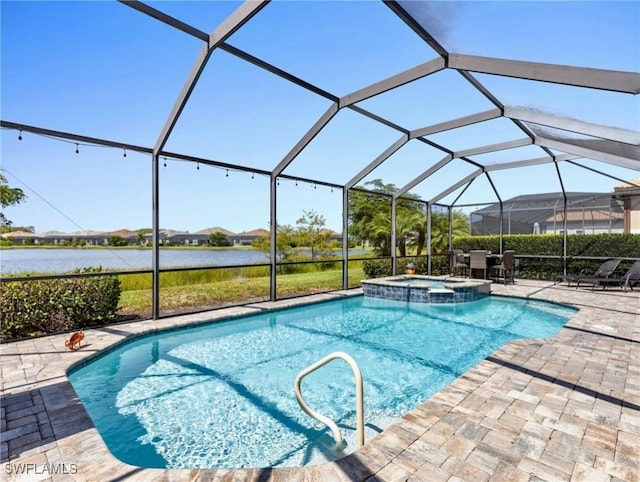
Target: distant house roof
x,y
86,233
628,187
255,232
123,233
213,230
169,232
49,234
589,215
21,234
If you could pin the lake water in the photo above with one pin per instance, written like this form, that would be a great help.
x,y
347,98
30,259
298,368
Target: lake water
x,y
62,260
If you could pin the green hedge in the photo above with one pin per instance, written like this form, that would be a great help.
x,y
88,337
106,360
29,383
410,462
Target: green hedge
x,y
578,245
52,306
595,246
378,268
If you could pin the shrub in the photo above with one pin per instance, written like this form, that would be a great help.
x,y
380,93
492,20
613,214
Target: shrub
x,y
376,268
53,306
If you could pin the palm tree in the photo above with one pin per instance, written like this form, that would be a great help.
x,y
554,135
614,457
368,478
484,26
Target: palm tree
x,y
440,229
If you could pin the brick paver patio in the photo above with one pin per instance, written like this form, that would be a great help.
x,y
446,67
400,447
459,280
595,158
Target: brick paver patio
x,y
558,409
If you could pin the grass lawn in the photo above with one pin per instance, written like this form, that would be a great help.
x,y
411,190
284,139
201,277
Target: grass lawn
x,y
235,291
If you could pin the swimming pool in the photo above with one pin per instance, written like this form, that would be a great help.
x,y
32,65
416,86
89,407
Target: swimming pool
x,y
221,395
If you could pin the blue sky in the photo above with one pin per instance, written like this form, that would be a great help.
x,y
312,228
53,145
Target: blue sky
x,y
101,69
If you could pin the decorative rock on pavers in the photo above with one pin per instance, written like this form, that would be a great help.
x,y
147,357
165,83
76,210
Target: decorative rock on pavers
x,y
564,408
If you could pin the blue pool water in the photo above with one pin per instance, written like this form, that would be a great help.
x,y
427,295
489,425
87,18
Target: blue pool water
x,y
221,395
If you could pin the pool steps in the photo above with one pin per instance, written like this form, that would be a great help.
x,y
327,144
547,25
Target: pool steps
x,y
357,374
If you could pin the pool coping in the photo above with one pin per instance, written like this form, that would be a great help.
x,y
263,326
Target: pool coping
x,y
533,408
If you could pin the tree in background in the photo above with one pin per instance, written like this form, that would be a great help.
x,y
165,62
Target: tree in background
x,y
370,219
285,242
9,196
310,232
440,229
116,240
218,239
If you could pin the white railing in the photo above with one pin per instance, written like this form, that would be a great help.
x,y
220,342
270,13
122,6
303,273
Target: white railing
x,y
337,435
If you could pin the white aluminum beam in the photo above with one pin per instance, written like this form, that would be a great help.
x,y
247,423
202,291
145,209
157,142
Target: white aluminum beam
x,y
437,166
619,161
394,81
529,162
494,147
455,186
306,139
377,161
236,20
455,123
572,125
612,80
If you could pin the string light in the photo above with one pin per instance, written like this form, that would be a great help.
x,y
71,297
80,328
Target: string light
x,y
252,174
227,175
20,135
198,165
77,148
125,152
165,161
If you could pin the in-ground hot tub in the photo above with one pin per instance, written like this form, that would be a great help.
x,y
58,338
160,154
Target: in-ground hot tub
x,y
426,289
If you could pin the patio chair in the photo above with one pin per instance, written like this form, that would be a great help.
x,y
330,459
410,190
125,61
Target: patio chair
x,y
458,264
605,270
627,280
506,269
477,261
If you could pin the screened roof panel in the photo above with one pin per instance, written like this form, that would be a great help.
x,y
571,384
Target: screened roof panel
x,y
205,16
439,97
100,78
239,103
478,189
478,135
442,178
408,162
597,34
530,153
589,105
589,143
343,148
526,180
338,46
587,175
118,78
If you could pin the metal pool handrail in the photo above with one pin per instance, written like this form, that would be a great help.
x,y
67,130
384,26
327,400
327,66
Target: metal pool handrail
x,y
337,435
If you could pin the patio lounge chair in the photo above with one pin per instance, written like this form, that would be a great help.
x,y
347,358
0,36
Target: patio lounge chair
x,y
605,270
628,280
